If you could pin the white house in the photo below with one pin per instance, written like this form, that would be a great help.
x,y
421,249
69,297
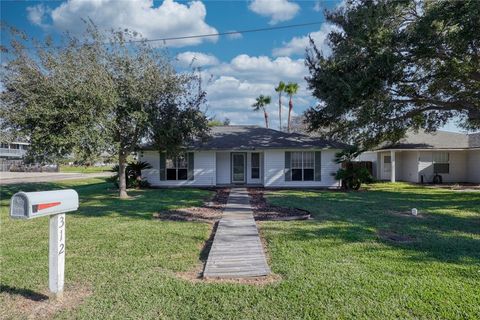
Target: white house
x,y
249,156
420,156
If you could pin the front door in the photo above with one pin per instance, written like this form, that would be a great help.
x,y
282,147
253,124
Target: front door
x,y
238,167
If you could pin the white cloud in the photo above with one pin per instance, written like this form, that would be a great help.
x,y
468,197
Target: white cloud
x,y
234,85
297,45
317,7
36,14
262,68
277,10
234,36
196,59
170,19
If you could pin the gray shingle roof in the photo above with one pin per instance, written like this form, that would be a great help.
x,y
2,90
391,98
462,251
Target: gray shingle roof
x,y
238,137
436,140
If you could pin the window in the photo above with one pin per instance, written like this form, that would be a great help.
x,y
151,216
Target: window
x,y
177,168
441,162
303,166
387,159
255,165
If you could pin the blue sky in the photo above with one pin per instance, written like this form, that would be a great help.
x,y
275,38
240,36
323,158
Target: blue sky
x,y
236,69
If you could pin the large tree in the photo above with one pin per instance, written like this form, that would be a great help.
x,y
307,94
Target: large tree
x,y
55,97
107,90
396,65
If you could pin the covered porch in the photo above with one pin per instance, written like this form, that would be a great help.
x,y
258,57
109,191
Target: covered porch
x,y
239,168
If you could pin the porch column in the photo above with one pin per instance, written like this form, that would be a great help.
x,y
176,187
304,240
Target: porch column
x,y
392,171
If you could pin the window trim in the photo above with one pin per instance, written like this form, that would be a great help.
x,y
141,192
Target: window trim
x,y
256,167
303,167
176,167
441,162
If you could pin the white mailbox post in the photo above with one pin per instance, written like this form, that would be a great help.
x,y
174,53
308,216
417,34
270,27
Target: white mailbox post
x,y
29,205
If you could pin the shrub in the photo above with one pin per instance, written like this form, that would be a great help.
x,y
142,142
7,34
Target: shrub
x,y
133,174
351,175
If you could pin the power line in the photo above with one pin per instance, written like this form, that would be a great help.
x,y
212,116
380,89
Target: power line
x,y
234,32
208,34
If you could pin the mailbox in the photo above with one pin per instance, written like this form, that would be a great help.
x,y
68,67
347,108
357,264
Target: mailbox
x,y
28,205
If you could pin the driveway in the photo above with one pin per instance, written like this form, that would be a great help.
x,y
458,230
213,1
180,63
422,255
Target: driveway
x,y
31,177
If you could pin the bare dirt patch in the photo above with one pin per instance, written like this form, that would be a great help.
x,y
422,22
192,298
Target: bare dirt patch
x,y
28,304
196,276
264,211
392,236
210,212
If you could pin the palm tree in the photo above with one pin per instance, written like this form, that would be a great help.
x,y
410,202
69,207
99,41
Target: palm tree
x,y
260,103
280,89
291,89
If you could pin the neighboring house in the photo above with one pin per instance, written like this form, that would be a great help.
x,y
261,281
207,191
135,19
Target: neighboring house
x,y
247,155
12,153
420,156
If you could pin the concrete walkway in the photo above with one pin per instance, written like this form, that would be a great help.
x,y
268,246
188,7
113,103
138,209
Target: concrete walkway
x,y
237,251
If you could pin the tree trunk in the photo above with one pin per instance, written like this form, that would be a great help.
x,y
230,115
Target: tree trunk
x,y
290,107
265,114
122,179
280,111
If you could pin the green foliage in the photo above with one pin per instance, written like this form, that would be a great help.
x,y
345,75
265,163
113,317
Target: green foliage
x,y
56,97
133,175
352,176
216,123
396,65
177,121
260,103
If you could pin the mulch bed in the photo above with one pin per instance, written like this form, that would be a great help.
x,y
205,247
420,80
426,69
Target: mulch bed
x,y
264,211
211,211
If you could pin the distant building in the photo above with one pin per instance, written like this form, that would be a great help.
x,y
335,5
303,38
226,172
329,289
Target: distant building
x,y
12,154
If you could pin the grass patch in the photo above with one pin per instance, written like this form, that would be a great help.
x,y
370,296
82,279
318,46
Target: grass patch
x,y
80,169
337,265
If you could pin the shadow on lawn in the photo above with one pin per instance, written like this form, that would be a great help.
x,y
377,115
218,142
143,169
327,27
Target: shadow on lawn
x,y
26,293
101,199
361,216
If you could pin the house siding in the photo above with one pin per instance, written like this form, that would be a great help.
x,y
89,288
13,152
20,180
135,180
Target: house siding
x,y
473,166
204,170
458,166
408,162
274,164
223,167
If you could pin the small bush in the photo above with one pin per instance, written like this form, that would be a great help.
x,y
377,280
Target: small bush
x,y
133,174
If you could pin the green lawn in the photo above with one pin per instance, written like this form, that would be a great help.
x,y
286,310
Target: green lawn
x,y
334,266
81,169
